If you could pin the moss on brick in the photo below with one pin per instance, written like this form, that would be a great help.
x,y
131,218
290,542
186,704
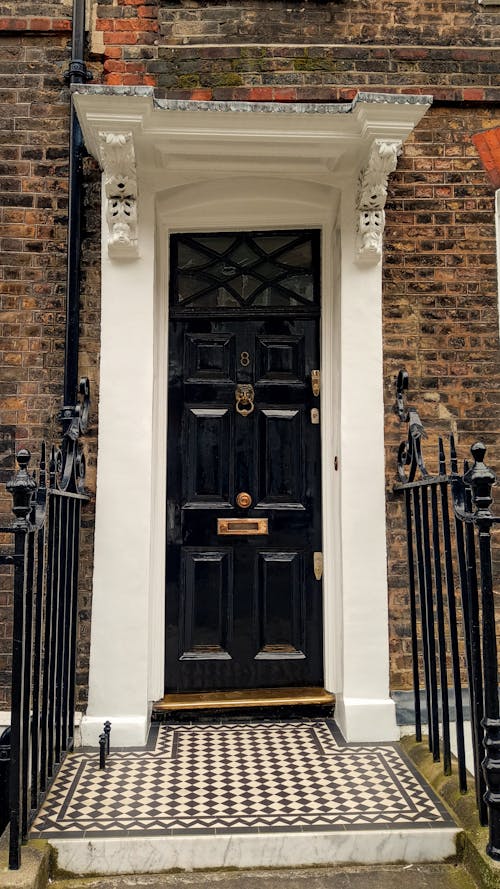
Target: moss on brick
x,y
220,80
187,81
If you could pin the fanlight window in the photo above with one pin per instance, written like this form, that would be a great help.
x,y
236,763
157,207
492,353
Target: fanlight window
x,y
266,270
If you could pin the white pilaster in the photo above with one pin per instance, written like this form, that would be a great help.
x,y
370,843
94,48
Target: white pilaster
x,y
118,682
364,710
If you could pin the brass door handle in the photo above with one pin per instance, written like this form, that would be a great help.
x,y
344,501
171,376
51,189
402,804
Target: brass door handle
x,y
244,399
243,500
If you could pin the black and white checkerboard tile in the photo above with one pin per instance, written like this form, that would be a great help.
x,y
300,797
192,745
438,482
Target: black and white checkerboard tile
x,y
235,777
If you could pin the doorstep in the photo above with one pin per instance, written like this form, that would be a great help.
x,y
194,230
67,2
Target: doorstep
x,y
266,793
251,699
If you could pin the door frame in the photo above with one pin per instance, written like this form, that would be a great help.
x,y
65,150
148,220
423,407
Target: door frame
x,y
268,204
184,152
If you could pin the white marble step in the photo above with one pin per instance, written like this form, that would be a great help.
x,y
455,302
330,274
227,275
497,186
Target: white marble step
x,y
115,855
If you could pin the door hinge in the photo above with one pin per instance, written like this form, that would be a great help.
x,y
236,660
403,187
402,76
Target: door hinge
x,y
318,565
315,382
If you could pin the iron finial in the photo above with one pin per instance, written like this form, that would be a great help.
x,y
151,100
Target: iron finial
x,y
481,479
22,487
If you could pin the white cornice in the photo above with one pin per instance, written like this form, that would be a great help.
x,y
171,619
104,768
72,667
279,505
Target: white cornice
x,y
177,141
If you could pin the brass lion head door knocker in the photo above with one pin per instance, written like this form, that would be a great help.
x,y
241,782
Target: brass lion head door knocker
x,y
244,399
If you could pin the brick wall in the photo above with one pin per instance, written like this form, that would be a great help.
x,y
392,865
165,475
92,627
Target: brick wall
x,y
440,316
356,21
34,115
312,50
33,207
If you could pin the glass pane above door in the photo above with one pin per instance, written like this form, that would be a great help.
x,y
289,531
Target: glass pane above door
x,y
244,270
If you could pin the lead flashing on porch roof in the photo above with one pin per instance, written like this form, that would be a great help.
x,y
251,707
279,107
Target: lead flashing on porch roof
x,y
253,107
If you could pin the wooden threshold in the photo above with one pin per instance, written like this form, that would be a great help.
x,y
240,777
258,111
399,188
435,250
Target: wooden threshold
x,y
259,697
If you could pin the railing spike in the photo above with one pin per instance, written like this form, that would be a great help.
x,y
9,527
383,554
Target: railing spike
x,y
442,457
43,466
453,454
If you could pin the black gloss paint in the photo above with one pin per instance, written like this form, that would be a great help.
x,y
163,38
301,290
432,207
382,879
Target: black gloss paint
x,y
243,611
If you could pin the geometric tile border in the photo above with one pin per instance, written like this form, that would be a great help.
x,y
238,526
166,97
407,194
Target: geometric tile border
x,y
239,777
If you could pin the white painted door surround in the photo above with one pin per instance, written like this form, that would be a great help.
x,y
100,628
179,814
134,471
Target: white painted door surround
x,y
190,166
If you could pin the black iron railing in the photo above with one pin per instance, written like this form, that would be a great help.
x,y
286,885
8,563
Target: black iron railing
x,y
45,557
448,533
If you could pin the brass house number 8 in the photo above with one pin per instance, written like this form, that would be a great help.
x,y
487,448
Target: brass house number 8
x,y
244,359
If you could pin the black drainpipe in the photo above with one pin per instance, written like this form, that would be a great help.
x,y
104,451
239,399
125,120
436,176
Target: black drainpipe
x,y
77,73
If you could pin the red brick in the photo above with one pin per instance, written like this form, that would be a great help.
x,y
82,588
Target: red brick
x,y
114,79
470,93
40,24
147,12
260,94
13,24
114,66
105,25
201,95
113,52
284,94
132,80
135,25
61,24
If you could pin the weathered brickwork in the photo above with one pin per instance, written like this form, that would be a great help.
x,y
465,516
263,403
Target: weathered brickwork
x,y
33,208
309,51
400,22
440,291
34,114
440,315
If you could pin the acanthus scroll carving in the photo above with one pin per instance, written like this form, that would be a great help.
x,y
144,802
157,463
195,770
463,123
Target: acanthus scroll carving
x,y
372,195
120,186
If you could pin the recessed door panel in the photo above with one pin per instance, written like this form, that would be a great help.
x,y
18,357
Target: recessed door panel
x,y
280,585
243,604
206,449
209,358
279,360
206,604
280,458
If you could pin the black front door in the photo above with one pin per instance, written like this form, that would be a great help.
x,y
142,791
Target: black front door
x,y
244,605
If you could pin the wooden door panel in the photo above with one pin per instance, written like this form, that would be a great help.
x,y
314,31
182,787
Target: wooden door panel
x,y
280,458
209,358
206,617
280,591
206,447
279,360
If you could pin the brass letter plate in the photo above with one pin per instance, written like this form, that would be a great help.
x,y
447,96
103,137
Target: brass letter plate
x,y
242,526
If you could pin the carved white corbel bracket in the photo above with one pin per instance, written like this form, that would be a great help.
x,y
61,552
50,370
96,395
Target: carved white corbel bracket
x,y
120,185
372,195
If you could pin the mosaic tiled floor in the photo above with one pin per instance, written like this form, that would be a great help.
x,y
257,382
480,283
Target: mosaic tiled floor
x,y
239,777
